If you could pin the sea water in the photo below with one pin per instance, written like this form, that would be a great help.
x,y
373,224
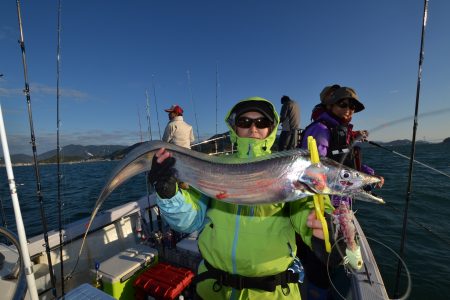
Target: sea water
x,y
427,244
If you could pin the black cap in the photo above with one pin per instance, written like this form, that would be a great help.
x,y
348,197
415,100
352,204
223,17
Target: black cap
x,y
263,107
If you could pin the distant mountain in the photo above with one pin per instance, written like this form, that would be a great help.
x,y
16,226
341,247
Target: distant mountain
x,y
446,141
82,152
404,142
70,153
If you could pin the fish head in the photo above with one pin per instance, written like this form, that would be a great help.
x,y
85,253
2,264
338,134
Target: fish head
x,y
331,178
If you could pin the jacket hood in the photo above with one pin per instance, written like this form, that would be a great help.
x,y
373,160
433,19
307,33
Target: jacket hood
x,y
250,147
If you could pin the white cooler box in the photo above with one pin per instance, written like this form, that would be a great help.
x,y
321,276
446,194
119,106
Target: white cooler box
x,y
118,272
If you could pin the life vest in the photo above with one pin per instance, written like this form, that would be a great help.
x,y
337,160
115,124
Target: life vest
x,y
340,144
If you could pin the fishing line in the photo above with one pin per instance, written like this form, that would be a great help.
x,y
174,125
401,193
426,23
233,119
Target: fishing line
x,y
408,158
354,273
415,221
408,274
35,160
422,115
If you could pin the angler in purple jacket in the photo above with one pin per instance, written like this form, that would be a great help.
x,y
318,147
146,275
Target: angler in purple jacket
x,y
334,133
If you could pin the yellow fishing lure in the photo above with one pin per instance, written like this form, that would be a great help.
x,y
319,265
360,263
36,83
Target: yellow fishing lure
x,y
319,199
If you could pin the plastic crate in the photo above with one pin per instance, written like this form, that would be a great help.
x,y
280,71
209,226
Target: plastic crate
x,y
162,281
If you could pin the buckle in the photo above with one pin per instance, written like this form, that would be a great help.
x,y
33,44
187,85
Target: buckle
x,y
235,281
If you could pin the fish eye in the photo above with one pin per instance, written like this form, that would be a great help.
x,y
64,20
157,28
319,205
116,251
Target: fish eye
x,y
345,174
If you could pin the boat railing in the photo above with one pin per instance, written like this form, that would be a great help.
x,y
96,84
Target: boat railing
x,y
216,145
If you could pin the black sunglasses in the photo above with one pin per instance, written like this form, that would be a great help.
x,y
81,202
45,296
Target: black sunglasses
x,y
244,122
343,104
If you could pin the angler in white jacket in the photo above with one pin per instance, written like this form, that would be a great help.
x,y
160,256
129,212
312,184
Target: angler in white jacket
x,y
177,131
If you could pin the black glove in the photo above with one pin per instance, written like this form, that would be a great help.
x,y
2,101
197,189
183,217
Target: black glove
x,y
162,177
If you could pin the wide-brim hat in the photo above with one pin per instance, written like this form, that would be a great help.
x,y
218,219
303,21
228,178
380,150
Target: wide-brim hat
x,y
346,93
328,90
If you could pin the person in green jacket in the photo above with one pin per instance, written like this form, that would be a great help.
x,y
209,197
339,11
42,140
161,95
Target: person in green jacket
x,y
248,251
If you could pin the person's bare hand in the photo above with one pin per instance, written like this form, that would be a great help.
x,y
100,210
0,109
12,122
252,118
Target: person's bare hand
x,y
315,224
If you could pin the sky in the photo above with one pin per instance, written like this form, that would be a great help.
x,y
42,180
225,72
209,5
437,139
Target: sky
x,y
206,55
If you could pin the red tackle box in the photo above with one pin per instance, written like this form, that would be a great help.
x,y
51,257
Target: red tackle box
x,y
162,281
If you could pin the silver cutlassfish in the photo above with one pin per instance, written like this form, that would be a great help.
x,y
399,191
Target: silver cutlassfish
x,y
278,177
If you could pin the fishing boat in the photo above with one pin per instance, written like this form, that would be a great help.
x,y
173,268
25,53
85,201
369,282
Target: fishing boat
x,y
124,244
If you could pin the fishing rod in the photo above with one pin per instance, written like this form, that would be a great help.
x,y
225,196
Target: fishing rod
x,y
4,224
149,124
58,149
156,105
158,212
408,158
3,213
413,146
217,94
149,128
35,160
193,102
140,127
146,177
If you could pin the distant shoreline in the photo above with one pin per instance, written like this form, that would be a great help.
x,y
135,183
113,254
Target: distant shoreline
x,y
54,163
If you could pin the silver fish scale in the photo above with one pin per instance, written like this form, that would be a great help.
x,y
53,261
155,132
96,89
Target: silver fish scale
x,y
261,181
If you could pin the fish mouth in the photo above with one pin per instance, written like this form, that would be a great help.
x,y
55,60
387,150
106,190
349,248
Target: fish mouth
x,y
357,194
366,197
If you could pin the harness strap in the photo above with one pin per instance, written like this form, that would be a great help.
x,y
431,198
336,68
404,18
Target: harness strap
x,y
265,283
